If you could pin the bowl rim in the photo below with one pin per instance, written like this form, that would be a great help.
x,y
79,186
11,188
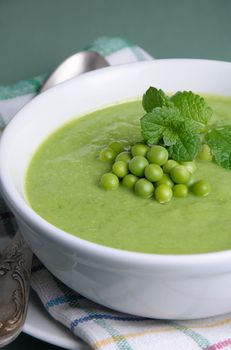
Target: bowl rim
x,y
88,248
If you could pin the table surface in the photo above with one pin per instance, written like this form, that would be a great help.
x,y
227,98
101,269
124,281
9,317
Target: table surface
x,y
37,35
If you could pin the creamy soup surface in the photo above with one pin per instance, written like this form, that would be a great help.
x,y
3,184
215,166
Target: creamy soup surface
x,y
62,186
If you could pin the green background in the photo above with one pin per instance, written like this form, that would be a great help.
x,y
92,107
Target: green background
x,y
36,35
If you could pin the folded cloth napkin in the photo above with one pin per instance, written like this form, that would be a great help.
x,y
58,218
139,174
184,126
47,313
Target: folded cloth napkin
x,y
98,326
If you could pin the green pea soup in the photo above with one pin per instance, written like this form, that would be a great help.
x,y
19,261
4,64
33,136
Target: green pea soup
x,y
62,186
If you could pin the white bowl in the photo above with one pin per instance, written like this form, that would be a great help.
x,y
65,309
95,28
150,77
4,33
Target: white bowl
x,y
160,286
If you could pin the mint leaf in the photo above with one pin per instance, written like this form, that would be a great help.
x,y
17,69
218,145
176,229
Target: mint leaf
x,y
188,143
192,106
219,141
155,98
167,124
157,125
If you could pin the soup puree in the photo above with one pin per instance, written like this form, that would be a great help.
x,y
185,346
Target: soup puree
x,y
62,186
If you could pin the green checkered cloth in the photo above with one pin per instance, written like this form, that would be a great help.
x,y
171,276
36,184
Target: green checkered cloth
x,y
99,327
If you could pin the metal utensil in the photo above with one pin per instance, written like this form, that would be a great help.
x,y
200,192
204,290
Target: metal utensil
x,y
77,64
16,258
15,266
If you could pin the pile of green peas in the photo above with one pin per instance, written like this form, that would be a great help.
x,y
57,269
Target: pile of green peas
x,y
150,173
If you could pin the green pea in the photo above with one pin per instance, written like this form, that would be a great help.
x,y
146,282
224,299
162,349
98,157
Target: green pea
x,y
139,149
153,172
124,156
180,191
129,181
109,181
193,178
165,180
205,153
116,146
163,193
137,165
190,166
107,155
120,168
144,188
167,167
180,174
157,155
201,188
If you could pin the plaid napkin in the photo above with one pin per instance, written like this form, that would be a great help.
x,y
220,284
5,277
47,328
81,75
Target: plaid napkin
x,y
98,326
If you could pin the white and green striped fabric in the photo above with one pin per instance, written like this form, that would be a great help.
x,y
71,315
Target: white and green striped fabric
x,y
99,327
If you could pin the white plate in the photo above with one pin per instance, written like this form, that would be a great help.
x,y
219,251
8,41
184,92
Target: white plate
x,y
40,325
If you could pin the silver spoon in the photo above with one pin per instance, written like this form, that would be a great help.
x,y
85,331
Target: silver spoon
x,y
77,64
16,258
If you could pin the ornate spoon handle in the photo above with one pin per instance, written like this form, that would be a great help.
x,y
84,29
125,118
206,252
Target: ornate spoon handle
x,y
15,267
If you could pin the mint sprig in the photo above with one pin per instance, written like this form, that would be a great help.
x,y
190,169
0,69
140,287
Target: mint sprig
x,y
181,123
